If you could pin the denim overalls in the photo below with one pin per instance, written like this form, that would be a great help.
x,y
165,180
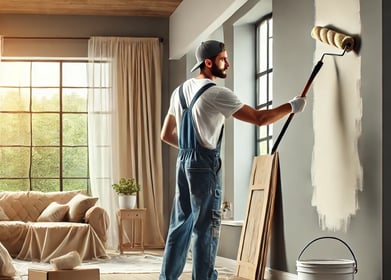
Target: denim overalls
x,y
196,208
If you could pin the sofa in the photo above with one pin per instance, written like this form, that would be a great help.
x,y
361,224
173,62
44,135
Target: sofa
x,y
39,226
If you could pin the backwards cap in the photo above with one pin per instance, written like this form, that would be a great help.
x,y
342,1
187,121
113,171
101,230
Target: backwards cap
x,y
207,49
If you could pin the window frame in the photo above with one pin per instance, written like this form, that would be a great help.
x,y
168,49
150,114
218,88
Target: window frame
x,y
61,113
267,137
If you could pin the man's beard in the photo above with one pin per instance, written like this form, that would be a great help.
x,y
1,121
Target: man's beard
x,y
218,72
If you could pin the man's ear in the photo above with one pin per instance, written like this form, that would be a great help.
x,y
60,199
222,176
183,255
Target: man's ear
x,y
208,63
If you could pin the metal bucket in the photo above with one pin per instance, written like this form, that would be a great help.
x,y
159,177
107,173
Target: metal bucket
x,y
338,269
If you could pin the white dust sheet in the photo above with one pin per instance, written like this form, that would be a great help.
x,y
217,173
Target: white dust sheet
x,y
337,111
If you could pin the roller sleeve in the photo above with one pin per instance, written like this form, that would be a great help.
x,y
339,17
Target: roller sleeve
x,y
331,37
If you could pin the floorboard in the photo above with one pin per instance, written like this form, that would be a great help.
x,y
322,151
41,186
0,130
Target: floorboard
x,y
149,276
227,263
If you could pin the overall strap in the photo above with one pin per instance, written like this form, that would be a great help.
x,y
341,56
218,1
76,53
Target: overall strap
x,y
218,147
187,134
182,98
197,95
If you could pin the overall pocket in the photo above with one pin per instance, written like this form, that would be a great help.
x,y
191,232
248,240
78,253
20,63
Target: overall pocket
x,y
201,180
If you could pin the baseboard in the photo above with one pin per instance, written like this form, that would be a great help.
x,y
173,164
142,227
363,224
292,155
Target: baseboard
x,y
272,274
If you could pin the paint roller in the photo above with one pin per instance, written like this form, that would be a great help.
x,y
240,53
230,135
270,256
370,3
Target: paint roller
x,y
330,37
333,38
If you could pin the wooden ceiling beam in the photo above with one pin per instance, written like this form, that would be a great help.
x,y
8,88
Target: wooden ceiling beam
x,y
154,8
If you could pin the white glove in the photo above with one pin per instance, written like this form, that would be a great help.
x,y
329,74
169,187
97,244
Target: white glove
x,y
297,104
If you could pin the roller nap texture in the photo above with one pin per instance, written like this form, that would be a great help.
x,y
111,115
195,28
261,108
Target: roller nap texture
x,y
333,38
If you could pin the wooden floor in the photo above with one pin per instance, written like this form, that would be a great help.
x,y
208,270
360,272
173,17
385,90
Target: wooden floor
x,y
154,276
149,276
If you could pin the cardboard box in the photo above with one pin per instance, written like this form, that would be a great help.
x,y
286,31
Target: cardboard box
x,y
69,274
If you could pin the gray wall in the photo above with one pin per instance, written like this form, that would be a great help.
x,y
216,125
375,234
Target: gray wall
x,y
296,221
76,26
293,20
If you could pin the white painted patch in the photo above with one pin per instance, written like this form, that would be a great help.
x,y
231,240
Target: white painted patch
x,y
336,170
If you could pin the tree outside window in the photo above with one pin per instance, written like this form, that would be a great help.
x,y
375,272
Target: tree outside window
x,y
43,125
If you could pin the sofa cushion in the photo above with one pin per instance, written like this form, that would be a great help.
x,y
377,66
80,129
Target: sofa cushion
x,y
3,215
78,207
55,212
26,206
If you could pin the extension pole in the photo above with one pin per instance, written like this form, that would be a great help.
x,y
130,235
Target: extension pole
x,y
303,94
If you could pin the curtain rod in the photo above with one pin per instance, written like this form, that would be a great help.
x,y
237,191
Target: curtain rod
x,y
45,38
62,38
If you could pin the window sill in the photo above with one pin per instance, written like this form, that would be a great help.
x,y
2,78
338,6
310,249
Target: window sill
x,y
232,223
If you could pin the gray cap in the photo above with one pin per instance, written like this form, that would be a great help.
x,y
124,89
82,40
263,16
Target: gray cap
x,y
207,49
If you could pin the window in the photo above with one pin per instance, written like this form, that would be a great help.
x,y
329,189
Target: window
x,y
264,81
43,125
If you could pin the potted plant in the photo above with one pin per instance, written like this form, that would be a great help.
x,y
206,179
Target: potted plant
x,y
127,189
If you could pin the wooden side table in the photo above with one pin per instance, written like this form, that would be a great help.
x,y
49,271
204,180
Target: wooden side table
x,y
131,222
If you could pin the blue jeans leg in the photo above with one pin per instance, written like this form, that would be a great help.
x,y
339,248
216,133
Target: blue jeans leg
x,y
196,210
206,204
179,233
205,243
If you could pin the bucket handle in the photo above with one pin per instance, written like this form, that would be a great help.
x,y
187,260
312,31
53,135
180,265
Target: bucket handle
x,y
331,237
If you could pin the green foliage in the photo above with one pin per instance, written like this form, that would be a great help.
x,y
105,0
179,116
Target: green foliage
x,y
43,126
126,186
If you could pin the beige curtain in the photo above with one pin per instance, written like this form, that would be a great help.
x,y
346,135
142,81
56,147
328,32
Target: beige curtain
x,y
1,46
124,126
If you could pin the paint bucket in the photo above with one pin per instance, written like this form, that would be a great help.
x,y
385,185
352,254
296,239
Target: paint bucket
x,y
324,269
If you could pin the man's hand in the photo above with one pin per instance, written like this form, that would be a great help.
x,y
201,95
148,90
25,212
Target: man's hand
x,y
297,104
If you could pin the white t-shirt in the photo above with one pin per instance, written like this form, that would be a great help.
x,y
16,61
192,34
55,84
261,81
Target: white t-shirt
x,y
209,112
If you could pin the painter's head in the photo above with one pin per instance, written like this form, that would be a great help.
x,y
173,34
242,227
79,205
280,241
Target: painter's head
x,y
212,54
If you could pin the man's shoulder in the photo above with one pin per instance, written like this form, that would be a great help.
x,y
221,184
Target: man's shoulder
x,y
220,89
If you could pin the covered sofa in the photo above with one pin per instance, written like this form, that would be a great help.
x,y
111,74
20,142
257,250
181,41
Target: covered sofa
x,y
39,226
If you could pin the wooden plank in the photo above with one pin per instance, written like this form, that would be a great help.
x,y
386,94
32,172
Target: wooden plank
x,y
158,8
274,184
255,236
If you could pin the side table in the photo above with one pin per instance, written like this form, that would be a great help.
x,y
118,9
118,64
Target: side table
x,y
131,222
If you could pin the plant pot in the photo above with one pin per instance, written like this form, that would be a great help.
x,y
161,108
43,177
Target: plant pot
x,y
127,201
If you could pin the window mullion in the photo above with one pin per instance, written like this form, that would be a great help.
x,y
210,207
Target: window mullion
x,y
61,129
31,127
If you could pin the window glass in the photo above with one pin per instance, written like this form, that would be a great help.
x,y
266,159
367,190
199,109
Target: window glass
x,y
15,74
43,125
74,100
45,100
46,129
14,99
14,129
75,74
45,74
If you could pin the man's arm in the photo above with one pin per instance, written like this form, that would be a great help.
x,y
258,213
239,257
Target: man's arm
x,y
265,117
169,131
262,117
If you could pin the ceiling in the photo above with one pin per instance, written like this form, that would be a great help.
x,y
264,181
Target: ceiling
x,y
150,8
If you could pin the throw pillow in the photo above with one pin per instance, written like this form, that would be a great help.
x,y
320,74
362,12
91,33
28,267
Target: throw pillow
x,y
67,261
7,269
55,212
78,207
3,215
